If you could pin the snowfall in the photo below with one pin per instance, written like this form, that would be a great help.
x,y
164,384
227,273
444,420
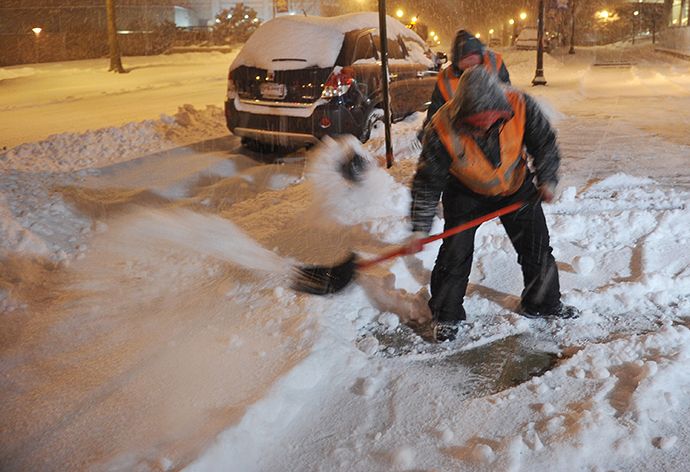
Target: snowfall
x,y
149,321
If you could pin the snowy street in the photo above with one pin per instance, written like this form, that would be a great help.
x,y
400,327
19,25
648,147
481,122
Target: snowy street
x,y
147,321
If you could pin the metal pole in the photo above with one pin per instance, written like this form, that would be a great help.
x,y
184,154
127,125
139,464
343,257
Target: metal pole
x,y
633,29
572,27
539,75
384,82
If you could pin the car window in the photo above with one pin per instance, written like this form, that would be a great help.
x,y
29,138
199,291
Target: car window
x,y
364,49
394,49
418,52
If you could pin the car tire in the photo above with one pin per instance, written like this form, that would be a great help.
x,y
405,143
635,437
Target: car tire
x,y
374,119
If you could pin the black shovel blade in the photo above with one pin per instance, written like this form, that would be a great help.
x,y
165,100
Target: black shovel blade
x,y
324,280
353,167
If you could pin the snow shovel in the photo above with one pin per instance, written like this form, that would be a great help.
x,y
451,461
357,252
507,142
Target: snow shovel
x,y
324,280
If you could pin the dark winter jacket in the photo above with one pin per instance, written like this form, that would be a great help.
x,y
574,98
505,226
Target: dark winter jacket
x,y
464,43
478,91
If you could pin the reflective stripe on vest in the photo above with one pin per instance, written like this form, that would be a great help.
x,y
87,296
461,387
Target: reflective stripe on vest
x,y
447,82
471,166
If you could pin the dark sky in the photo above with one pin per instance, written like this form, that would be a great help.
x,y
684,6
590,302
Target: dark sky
x,y
478,16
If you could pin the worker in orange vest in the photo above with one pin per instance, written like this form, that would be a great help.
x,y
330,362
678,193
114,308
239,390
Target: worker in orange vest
x,y
468,51
475,153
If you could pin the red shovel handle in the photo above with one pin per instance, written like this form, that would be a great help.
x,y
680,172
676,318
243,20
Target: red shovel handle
x,y
408,249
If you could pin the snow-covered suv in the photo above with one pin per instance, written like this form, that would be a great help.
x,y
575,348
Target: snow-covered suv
x,y
299,78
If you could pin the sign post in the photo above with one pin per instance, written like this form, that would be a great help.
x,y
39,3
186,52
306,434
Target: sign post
x,y
383,36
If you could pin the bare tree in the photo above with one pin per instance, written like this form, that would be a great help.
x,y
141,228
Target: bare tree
x,y
115,60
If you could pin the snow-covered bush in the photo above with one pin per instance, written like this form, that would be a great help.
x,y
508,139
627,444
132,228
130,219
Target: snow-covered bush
x,y
235,25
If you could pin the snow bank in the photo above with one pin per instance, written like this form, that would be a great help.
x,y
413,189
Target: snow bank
x,y
101,147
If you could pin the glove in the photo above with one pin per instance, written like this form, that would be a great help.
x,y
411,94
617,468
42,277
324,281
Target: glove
x,y
414,244
547,191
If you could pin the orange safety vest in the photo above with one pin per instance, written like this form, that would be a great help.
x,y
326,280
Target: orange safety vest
x,y
471,166
447,82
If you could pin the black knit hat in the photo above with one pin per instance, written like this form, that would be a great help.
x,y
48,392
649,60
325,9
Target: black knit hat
x,y
465,43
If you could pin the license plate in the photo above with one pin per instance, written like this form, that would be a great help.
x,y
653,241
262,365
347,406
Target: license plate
x,y
273,91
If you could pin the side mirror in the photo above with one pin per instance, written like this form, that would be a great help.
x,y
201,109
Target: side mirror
x,y
441,58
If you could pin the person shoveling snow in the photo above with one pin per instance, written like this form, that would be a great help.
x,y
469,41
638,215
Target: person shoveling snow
x,y
488,126
473,154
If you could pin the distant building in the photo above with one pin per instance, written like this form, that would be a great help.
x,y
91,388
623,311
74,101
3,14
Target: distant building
x,y
20,16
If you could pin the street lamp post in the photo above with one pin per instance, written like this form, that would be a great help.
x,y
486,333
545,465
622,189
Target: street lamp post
x,y
37,32
539,74
603,17
572,27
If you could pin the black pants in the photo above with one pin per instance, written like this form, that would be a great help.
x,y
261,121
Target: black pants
x,y
527,231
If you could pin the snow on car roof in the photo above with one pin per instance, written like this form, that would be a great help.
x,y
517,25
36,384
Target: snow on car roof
x,y
287,42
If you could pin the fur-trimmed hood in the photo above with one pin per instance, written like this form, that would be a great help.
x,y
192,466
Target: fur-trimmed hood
x,y
478,91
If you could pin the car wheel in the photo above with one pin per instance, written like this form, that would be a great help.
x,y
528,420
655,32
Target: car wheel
x,y
374,120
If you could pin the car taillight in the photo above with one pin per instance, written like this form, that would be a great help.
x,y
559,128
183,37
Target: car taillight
x,y
338,83
232,92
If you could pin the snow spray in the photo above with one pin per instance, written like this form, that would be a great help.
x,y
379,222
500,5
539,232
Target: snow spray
x,y
351,201
206,234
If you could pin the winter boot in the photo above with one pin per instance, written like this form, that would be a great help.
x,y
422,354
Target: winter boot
x,y
445,332
560,311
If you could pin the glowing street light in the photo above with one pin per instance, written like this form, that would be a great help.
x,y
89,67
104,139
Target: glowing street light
x,y
511,21
604,15
399,13
477,35
37,32
523,16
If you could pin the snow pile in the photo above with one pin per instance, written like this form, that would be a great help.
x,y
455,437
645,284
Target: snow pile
x,y
97,148
190,125
7,73
14,237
